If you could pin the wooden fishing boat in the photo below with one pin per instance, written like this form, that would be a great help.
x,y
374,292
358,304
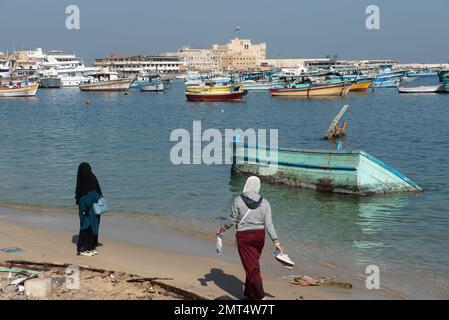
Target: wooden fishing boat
x,y
360,85
206,88
421,74
19,91
388,84
105,81
118,85
216,96
153,86
217,84
345,172
265,85
423,89
338,89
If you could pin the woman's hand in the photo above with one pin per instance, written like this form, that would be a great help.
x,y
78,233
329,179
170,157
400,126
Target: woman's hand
x,y
220,230
279,248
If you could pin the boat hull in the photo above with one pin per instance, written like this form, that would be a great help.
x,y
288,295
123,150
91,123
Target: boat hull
x,y
214,96
119,85
360,86
326,90
263,86
26,91
386,84
424,89
423,75
50,83
326,171
200,89
158,87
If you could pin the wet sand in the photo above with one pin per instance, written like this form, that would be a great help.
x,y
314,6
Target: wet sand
x,y
148,247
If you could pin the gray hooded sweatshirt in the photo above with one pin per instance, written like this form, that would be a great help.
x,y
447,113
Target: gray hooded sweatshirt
x,y
258,218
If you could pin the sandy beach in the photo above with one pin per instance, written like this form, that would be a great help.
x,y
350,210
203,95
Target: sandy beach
x,y
136,246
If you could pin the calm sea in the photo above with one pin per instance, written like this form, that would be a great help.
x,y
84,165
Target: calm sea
x,y
126,138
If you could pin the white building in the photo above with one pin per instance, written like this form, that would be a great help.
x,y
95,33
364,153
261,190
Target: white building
x,y
134,64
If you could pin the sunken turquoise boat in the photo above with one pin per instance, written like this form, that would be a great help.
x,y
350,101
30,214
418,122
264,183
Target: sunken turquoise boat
x,y
344,172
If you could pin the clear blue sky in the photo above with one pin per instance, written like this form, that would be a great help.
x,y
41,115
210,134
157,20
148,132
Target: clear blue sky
x,y
411,31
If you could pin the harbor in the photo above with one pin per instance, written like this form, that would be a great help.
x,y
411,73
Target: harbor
x,y
319,228
223,80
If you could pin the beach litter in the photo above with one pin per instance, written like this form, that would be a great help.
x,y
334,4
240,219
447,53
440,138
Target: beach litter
x,y
306,281
11,250
51,281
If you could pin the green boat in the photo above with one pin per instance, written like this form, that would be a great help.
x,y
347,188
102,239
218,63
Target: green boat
x,y
344,172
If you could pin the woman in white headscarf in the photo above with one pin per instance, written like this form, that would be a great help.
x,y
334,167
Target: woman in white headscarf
x,y
251,214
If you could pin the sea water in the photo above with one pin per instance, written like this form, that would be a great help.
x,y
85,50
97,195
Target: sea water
x,y
126,139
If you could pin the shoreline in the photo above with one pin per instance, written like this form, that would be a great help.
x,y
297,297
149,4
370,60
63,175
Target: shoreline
x,y
143,246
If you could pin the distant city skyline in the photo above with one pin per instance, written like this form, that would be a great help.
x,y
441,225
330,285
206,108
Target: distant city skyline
x,y
411,31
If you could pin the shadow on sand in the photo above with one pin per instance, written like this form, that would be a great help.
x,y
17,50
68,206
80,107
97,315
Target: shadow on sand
x,y
228,283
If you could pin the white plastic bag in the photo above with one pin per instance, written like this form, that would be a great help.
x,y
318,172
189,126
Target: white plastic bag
x,y
220,244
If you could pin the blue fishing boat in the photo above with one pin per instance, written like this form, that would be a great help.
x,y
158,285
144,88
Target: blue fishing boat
x,y
143,79
266,85
386,82
421,74
344,172
387,78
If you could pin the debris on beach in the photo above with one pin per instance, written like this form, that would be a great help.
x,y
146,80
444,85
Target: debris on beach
x,y
306,281
11,250
23,280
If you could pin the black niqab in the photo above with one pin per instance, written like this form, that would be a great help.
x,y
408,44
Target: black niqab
x,y
86,181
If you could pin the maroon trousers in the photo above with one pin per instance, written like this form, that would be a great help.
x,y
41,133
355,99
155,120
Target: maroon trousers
x,y
250,244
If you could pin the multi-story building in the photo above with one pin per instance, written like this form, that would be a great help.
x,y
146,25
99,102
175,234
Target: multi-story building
x,y
134,64
238,54
26,62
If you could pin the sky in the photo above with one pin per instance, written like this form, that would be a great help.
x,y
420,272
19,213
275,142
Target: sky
x,y
410,30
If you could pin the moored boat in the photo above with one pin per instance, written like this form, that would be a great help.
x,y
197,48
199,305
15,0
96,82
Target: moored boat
x,y
423,89
153,86
386,83
19,90
265,85
216,96
217,84
50,80
421,74
345,172
308,90
106,82
360,85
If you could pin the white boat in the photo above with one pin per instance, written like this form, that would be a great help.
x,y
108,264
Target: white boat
x,y
5,69
153,86
106,81
19,90
69,68
423,89
50,79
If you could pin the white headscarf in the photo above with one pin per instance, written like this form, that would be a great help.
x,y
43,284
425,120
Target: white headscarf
x,y
252,184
